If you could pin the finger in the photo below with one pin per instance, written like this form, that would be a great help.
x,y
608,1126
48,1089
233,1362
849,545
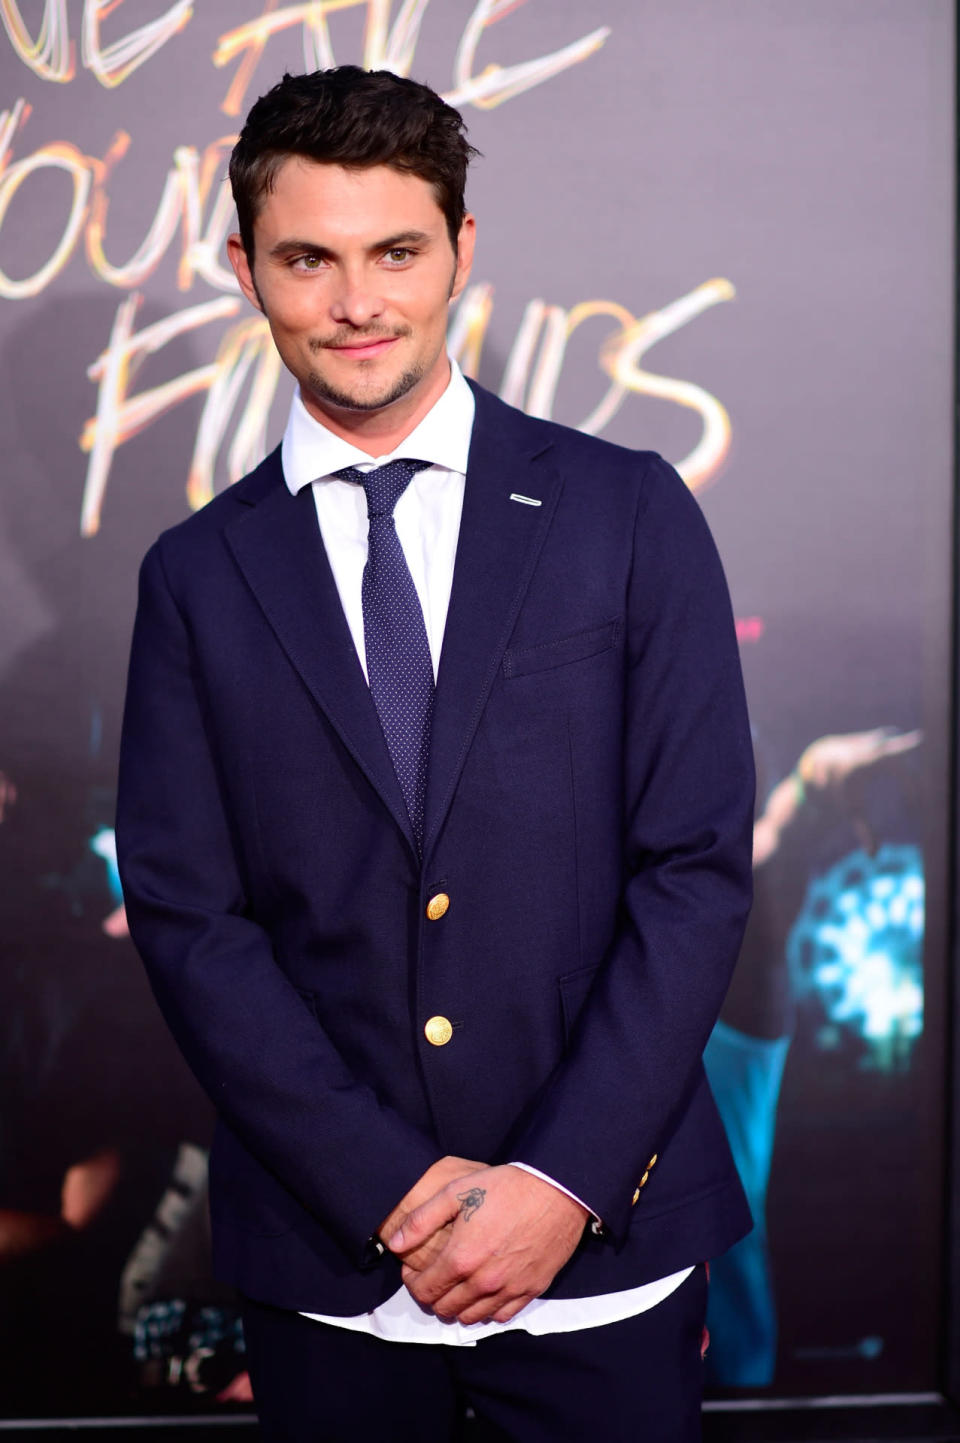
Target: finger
x,y
904,742
433,1282
466,1303
437,1177
391,1222
498,1308
449,1279
454,1286
424,1221
411,1279
422,1257
510,1310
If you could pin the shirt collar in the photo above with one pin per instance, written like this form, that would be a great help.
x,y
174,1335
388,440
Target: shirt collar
x,y
309,452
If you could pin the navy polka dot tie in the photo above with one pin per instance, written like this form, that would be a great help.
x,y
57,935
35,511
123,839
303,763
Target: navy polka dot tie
x,y
399,667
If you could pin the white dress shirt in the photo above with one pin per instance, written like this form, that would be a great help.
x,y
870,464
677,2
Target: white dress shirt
x,y
427,518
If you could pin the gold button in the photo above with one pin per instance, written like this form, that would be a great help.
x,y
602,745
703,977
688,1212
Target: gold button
x,y
636,1196
643,1180
437,906
439,1031
653,1161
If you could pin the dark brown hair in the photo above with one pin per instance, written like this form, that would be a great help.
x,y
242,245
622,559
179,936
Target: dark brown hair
x,y
354,118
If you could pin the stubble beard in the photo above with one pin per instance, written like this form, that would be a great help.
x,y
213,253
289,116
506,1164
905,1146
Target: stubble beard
x,y
323,391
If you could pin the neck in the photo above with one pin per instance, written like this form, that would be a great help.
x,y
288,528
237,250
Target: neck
x,y
382,431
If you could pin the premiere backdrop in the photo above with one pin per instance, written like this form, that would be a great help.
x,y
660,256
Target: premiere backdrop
x,y
723,231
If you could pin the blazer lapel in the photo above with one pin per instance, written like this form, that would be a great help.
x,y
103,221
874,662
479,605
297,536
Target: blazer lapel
x,y
500,540
277,545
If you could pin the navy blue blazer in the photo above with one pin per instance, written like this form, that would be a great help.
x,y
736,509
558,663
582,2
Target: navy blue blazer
x,y
589,814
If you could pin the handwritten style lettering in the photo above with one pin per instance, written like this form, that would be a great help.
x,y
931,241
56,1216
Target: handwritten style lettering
x,y
187,190
194,212
536,359
51,55
246,352
247,347
387,47
120,415
60,155
192,179
497,83
195,183
620,356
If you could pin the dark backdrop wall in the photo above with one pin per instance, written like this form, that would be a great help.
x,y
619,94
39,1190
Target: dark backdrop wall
x,y
721,231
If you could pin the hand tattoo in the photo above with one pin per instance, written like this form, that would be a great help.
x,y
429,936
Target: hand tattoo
x,y
470,1201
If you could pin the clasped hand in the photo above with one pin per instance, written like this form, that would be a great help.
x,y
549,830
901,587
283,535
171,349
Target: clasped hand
x,y
480,1242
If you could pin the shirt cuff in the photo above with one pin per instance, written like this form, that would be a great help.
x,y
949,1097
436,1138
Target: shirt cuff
x,y
535,1172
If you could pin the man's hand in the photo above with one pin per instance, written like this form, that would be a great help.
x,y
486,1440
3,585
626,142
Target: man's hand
x,y
506,1234
830,764
447,1170
829,761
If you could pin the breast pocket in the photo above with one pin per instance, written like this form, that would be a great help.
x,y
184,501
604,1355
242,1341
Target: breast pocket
x,y
546,655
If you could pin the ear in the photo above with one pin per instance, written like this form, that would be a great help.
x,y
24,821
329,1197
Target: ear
x,y
465,243
242,269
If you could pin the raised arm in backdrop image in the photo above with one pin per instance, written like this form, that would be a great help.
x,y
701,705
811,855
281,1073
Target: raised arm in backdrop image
x,y
436,826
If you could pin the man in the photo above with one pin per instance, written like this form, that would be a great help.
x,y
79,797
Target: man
x,y
436,799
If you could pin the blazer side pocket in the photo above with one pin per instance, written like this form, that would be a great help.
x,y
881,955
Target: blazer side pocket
x,y
521,661
573,987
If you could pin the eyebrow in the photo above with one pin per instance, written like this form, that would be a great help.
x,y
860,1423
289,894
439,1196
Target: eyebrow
x,y
294,246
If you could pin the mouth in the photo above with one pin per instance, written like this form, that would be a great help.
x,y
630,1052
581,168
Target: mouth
x,y
365,350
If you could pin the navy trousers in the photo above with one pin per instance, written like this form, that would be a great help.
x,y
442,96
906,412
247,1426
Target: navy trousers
x,y
638,1381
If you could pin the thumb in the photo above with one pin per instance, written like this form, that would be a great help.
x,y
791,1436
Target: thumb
x,y
424,1221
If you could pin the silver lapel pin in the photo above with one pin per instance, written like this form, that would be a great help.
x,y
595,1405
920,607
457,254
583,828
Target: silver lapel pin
x,y
527,500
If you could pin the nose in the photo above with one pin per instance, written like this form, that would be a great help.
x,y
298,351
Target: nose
x,y
356,299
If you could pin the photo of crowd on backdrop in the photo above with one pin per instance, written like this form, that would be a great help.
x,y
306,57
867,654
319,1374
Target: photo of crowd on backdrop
x,y
684,246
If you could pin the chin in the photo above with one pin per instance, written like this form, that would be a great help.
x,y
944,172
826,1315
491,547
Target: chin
x,y
374,399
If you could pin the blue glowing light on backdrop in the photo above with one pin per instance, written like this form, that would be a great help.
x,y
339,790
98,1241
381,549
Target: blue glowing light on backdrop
x,y
857,947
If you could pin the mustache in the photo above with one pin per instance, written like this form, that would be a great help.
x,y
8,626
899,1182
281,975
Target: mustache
x,y
356,337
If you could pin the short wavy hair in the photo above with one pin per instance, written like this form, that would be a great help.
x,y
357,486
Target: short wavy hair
x,y
355,118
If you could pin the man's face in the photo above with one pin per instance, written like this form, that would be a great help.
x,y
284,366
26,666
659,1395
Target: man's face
x,y
354,270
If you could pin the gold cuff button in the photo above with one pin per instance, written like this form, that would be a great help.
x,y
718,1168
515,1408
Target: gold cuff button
x,y
438,906
643,1180
438,1031
636,1197
653,1161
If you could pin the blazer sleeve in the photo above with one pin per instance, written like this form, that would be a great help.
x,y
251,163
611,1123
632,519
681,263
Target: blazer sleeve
x,y
272,1074
635,1055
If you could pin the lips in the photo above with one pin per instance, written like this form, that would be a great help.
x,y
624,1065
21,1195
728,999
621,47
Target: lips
x,y
365,350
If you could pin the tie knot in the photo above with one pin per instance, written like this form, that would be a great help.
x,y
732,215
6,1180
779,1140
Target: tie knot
x,y
385,485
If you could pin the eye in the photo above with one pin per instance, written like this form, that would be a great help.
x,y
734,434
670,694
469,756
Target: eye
x,y
399,255
307,263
